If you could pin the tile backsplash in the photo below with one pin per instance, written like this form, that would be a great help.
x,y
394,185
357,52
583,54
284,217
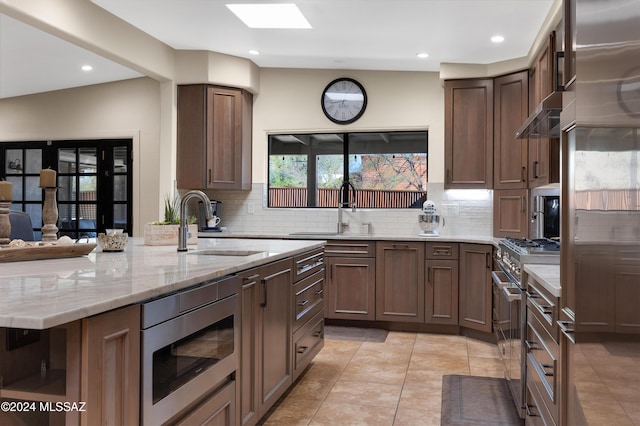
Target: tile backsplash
x,y
466,212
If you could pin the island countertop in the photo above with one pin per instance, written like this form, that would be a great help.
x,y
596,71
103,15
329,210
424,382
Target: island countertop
x,y
41,294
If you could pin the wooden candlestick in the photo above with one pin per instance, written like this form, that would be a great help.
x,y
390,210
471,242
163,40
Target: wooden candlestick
x,y
5,224
50,215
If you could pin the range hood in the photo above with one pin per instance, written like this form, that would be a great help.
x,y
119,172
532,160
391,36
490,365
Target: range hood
x,y
544,121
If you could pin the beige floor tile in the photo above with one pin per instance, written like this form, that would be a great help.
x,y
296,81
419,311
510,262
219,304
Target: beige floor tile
x,y
478,348
375,372
293,411
486,367
420,405
456,347
338,413
400,338
445,364
369,394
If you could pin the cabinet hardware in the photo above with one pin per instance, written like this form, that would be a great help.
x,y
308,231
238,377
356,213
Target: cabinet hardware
x,y
522,204
531,346
302,349
428,274
546,367
209,172
317,334
535,169
400,246
250,277
319,292
523,175
303,302
264,293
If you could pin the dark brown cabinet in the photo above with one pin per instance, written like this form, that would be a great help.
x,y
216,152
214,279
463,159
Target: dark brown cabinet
x,y
214,137
511,110
265,362
441,283
544,153
351,280
469,133
400,281
510,213
475,301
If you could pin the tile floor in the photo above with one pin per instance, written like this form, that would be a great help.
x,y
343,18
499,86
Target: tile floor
x,y
397,382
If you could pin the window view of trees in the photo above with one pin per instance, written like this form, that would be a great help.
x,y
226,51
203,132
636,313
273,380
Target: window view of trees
x,y
388,170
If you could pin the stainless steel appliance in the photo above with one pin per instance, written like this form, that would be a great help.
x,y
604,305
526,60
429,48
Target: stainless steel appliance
x,y
216,209
509,301
190,347
546,216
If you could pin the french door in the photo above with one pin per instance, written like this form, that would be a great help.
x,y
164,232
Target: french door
x,y
94,183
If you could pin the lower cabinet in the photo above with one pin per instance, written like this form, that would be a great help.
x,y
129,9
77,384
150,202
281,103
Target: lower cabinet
x,y
441,292
475,301
400,281
220,409
265,366
351,280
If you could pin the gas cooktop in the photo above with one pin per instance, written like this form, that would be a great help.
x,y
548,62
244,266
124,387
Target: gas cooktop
x,y
525,246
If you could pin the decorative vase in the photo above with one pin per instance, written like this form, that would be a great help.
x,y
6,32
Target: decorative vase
x,y
167,235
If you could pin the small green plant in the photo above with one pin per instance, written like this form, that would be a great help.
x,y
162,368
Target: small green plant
x,y
172,212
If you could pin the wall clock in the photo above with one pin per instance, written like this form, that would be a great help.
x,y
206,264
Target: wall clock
x,y
629,92
343,100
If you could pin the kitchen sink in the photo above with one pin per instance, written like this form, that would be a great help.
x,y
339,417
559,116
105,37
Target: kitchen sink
x,y
226,252
319,233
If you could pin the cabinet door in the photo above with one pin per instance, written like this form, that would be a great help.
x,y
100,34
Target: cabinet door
x,y
111,359
351,286
225,132
400,281
510,213
274,332
441,292
247,377
475,287
595,290
511,94
468,133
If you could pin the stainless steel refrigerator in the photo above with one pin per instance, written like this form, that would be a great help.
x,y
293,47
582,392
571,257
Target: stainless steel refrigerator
x,y
600,208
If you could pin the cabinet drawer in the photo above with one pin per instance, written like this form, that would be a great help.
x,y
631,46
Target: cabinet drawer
x,y
308,263
542,365
441,251
537,413
308,299
544,306
340,248
307,342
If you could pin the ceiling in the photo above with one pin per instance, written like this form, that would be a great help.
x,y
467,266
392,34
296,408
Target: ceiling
x,y
345,34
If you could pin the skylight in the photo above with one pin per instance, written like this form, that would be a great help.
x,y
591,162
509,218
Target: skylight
x,y
282,15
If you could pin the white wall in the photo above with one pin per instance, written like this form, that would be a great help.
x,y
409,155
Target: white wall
x,y
125,109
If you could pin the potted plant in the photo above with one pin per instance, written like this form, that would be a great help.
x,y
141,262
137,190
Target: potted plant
x,y
165,232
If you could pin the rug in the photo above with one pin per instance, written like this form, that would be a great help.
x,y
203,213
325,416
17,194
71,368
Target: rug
x,y
471,400
356,334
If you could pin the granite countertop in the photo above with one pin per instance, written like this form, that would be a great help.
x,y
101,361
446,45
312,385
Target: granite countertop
x,y
547,275
41,294
478,239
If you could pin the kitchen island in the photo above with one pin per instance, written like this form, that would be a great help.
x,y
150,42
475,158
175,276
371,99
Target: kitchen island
x,y
82,347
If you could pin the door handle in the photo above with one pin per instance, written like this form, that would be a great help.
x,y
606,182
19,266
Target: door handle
x,y
264,293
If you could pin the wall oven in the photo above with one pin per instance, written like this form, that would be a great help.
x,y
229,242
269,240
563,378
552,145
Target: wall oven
x,y
190,347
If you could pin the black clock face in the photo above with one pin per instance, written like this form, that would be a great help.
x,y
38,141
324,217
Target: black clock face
x,y
344,101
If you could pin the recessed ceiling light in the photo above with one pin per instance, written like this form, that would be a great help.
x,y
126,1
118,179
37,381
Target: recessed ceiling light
x,y
86,68
497,39
253,52
282,15
422,55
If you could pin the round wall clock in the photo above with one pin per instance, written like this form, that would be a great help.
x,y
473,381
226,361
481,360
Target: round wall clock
x,y
629,92
343,100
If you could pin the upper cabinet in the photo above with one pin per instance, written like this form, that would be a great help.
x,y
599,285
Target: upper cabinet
x,y
214,137
468,133
511,110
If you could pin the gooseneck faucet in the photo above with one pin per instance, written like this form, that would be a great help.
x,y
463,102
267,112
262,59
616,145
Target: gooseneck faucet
x,y
183,230
345,201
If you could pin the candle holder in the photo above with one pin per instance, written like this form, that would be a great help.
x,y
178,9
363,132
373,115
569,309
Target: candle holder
x,y
50,215
5,224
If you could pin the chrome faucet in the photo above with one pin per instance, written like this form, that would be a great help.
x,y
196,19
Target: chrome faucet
x,y
345,201
183,230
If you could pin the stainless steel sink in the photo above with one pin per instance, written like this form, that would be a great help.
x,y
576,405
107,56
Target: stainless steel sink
x,y
311,234
226,252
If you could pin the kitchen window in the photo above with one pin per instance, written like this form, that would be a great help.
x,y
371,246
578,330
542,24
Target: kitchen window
x,y
387,169
94,183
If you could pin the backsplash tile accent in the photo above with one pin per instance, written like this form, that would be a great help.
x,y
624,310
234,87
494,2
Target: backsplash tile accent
x,y
466,212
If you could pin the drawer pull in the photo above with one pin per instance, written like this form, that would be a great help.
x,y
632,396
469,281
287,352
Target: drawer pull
x,y
317,334
566,327
531,346
400,246
302,349
319,292
303,302
250,277
442,252
545,368
529,412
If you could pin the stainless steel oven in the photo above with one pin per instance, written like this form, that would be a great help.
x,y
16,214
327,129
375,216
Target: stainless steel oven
x,y
190,346
510,306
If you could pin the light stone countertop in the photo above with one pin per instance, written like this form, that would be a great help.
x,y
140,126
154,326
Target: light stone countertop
x,y
477,239
41,294
547,275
